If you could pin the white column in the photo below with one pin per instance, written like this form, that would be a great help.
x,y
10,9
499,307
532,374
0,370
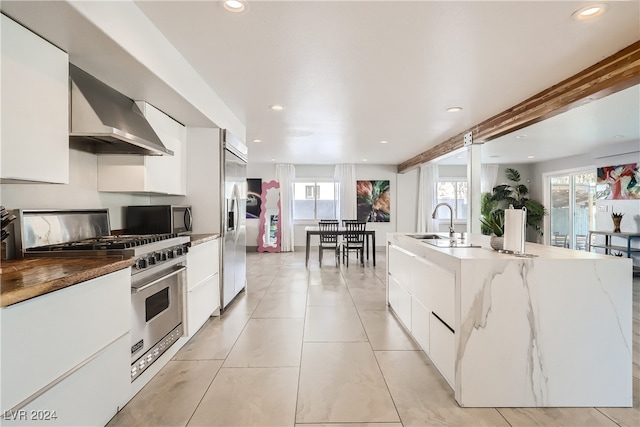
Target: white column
x,y
474,166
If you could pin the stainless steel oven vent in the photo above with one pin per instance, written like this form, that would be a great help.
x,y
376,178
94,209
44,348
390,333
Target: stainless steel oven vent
x,y
104,121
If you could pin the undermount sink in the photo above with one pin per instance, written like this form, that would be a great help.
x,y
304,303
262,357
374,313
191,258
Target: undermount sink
x,y
443,242
426,236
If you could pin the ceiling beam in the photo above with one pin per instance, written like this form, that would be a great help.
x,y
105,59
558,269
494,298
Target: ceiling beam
x,y
613,74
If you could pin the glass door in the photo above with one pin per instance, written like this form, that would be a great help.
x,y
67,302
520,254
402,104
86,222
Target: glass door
x,y
571,208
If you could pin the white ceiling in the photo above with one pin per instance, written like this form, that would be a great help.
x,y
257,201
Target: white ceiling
x,y
350,74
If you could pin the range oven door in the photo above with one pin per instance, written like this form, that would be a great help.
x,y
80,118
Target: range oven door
x,y
156,315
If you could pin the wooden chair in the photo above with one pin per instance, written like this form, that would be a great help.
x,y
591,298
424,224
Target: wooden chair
x,y
329,239
353,240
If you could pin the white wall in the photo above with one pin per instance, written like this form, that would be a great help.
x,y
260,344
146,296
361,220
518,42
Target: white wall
x,y
407,201
80,193
203,180
400,215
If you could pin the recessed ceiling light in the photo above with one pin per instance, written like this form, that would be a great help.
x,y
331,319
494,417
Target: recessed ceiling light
x,y
454,109
384,142
589,12
273,160
364,160
531,157
236,6
458,157
257,140
276,107
520,136
618,136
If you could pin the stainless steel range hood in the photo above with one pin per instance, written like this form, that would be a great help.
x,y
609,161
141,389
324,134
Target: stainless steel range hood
x,y
104,121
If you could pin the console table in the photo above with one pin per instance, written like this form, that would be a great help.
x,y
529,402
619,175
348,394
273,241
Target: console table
x,y
609,245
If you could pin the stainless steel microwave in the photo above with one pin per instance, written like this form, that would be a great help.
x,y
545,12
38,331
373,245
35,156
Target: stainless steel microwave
x,y
158,219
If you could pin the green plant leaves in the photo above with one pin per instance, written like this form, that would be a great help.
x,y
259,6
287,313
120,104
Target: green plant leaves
x,y
493,204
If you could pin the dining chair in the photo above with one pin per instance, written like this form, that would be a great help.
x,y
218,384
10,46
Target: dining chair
x,y
559,240
329,239
353,240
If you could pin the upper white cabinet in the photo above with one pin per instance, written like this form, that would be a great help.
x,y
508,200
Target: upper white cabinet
x,y
35,107
148,174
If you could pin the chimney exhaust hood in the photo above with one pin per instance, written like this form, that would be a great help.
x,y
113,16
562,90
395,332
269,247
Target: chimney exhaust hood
x,y
104,121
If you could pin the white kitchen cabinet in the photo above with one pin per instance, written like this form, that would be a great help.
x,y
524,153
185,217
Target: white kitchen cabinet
x,y
87,378
442,348
203,287
441,285
35,107
422,295
420,319
148,174
90,396
393,293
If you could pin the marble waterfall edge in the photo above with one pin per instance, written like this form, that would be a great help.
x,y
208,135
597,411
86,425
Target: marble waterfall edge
x,y
544,333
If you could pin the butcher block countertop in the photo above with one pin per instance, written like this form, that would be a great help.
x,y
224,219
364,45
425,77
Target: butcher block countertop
x,y
28,278
197,239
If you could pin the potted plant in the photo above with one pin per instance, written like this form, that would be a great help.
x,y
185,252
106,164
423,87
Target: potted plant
x,y
493,205
617,219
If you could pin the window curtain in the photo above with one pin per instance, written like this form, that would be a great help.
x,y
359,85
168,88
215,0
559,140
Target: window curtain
x,y
345,176
286,176
488,178
427,198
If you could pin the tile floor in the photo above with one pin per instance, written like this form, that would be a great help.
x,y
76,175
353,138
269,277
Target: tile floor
x,y
318,347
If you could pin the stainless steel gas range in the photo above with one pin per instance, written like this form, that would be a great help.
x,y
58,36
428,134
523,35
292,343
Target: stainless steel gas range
x,y
158,277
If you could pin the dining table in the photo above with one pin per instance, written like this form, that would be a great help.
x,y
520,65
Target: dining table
x,y
314,230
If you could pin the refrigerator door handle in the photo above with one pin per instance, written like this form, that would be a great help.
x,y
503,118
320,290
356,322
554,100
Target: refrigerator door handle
x,y
231,221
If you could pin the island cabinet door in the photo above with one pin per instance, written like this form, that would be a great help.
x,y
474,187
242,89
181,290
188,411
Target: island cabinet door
x,y
401,266
420,324
442,348
400,301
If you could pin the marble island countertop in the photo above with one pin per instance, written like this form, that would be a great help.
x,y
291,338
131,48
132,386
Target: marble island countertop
x,y
29,278
486,252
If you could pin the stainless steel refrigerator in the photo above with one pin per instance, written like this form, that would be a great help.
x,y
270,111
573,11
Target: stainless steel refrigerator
x,y
234,200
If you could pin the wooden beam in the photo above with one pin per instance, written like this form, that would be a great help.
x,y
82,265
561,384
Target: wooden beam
x,y
613,74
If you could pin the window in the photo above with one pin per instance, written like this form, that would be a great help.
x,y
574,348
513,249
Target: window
x,y
314,200
453,192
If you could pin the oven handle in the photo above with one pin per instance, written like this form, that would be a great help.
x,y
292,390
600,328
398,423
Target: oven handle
x,y
153,282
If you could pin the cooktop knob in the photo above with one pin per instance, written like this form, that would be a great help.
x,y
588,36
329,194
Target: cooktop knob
x,y
141,263
152,259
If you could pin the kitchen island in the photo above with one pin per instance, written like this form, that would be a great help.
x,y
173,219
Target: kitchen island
x,y
554,330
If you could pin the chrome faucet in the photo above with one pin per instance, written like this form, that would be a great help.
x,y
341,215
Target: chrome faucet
x,y
452,231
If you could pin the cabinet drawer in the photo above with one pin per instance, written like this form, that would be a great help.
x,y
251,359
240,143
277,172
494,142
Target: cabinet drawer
x,y
404,307
202,301
202,262
393,294
76,322
420,317
442,348
442,289
400,264
90,396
